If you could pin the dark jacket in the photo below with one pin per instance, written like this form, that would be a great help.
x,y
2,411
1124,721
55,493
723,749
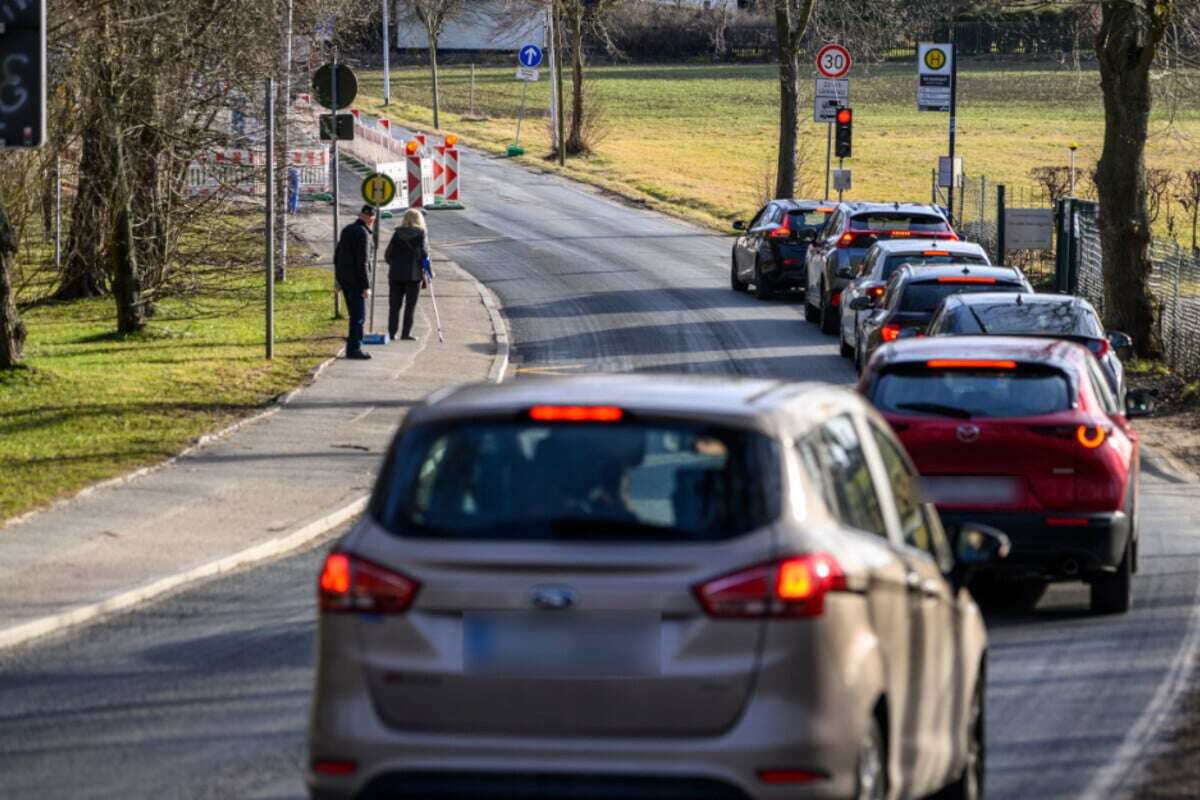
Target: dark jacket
x,y
350,257
404,254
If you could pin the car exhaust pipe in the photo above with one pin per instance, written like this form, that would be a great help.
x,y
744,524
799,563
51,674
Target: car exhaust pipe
x,y
1070,567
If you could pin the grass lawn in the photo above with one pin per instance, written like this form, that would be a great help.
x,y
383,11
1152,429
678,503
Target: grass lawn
x,y
91,404
699,140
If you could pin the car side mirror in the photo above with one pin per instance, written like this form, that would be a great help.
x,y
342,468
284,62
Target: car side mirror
x,y
1121,343
739,224
1140,403
861,303
977,545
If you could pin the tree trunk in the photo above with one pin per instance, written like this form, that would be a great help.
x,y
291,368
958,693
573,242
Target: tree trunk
x,y
789,121
84,252
126,280
12,329
576,141
1125,47
434,69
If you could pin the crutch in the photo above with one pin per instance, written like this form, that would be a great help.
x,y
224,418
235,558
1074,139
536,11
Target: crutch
x,y
433,299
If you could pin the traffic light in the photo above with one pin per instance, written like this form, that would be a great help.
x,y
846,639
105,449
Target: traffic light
x,y
22,73
844,121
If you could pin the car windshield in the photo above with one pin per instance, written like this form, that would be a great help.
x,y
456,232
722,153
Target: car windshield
x,y
924,297
807,220
899,221
892,263
965,393
1065,318
578,481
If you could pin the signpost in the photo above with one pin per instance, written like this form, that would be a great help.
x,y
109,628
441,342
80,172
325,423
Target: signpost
x,y
1028,229
937,90
832,92
377,190
528,59
336,87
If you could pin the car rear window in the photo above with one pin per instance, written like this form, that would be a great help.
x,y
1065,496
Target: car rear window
x,y
899,221
967,393
578,482
1065,318
813,220
894,262
923,297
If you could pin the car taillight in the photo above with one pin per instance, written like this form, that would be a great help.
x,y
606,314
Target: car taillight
x,y
791,587
876,292
576,414
1099,347
835,299
1088,436
783,231
351,584
890,332
846,239
967,279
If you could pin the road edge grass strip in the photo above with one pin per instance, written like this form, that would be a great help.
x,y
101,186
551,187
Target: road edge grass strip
x,y
72,428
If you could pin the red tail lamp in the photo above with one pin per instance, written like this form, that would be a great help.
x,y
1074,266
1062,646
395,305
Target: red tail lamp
x,y
576,414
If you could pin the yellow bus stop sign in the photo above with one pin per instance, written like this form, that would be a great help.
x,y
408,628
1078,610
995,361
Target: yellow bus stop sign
x,y
378,189
935,58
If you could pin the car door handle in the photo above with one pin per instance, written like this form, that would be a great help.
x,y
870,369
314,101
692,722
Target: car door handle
x,y
930,588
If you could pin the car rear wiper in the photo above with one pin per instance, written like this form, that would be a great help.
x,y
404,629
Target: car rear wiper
x,y
936,408
978,319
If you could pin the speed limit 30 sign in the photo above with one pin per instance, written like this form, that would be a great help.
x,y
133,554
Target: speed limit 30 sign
x,y
833,61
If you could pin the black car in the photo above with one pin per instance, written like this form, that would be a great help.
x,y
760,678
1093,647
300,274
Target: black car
x,y
843,242
1054,315
771,250
913,294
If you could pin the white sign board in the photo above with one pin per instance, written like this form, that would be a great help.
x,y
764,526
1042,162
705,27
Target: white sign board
x,y
946,174
828,96
398,172
934,64
1028,228
527,74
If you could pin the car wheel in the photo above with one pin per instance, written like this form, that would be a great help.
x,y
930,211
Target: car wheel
x,y
734,283
811,312
829,315
969,785
761,291
870,774
1112,593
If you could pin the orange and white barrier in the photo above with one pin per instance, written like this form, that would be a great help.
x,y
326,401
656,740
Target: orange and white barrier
x,y
240,171
420,180
450,185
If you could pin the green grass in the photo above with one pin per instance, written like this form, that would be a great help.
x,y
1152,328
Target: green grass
x,y
699,140
91,404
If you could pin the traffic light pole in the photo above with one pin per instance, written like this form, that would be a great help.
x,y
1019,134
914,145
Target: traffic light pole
x,y
337,300
828,156
953,112
841,165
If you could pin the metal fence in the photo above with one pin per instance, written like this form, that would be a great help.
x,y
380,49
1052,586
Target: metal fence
x,y
1174,284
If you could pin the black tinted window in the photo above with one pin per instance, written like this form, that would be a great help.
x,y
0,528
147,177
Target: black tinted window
x,y
516,480
907,489
893,262
1067,317
966,393
897,221
924,297
847,478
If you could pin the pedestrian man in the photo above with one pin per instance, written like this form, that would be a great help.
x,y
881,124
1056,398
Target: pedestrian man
x,y
293,184
407,256
350,267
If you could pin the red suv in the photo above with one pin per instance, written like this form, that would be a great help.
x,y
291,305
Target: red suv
x,y
1024,435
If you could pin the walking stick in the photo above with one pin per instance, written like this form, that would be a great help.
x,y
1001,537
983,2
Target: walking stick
x,y
433,299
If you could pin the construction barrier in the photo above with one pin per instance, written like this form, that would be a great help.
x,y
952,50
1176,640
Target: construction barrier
x,y
398,172
242,171
420,181
451,176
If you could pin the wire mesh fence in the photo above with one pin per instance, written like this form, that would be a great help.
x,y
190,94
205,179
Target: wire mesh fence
x,y
1174,284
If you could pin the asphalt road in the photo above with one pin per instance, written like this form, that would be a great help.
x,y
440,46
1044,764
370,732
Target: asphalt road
x,y
205,694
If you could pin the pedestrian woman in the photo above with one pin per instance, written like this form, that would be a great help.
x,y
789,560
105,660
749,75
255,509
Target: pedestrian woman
x,y
407,255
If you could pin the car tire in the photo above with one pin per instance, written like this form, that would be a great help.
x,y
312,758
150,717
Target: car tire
x,y
969,785
829,315
811,312
1112,592
734,283
846,350
870,771
761,290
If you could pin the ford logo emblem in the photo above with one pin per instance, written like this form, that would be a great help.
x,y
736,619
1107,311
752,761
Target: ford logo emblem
x,y
967,434
552,598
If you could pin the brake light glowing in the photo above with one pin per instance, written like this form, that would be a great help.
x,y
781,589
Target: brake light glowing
x,y
792,587
1091,438
890,332
576,414
966,279
350,584
783,231
846,239
782,776
897,234
876,292
936,253
970,363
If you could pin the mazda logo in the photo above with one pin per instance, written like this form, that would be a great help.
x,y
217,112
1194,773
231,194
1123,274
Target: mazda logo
x,y
967,434
552,598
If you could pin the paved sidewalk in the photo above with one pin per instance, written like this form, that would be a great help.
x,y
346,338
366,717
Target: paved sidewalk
x,y
271,484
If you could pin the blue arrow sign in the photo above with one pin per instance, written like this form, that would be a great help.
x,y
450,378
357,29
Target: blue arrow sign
x,y
530,55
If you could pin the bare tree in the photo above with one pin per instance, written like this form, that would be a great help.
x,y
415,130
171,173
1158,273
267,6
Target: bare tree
x,y
12,329
579,20
791,22
433,15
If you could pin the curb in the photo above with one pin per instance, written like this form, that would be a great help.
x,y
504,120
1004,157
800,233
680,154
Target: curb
x,y
1164,466
256,554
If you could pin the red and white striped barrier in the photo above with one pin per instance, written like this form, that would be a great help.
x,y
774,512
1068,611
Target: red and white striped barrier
x,y
450,186
238,171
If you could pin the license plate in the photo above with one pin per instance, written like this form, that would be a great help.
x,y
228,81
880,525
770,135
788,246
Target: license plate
x,y
554,643
971,490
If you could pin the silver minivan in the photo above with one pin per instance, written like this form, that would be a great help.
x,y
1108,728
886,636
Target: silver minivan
x,y
653,587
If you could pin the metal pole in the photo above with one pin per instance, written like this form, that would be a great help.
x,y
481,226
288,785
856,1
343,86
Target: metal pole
x,y
553,55
521,113
1001,244
337,300
58,212
374,265
270,228
841,165
560,123
1072,192
287,102
953,113
828,155
472,90
387,45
